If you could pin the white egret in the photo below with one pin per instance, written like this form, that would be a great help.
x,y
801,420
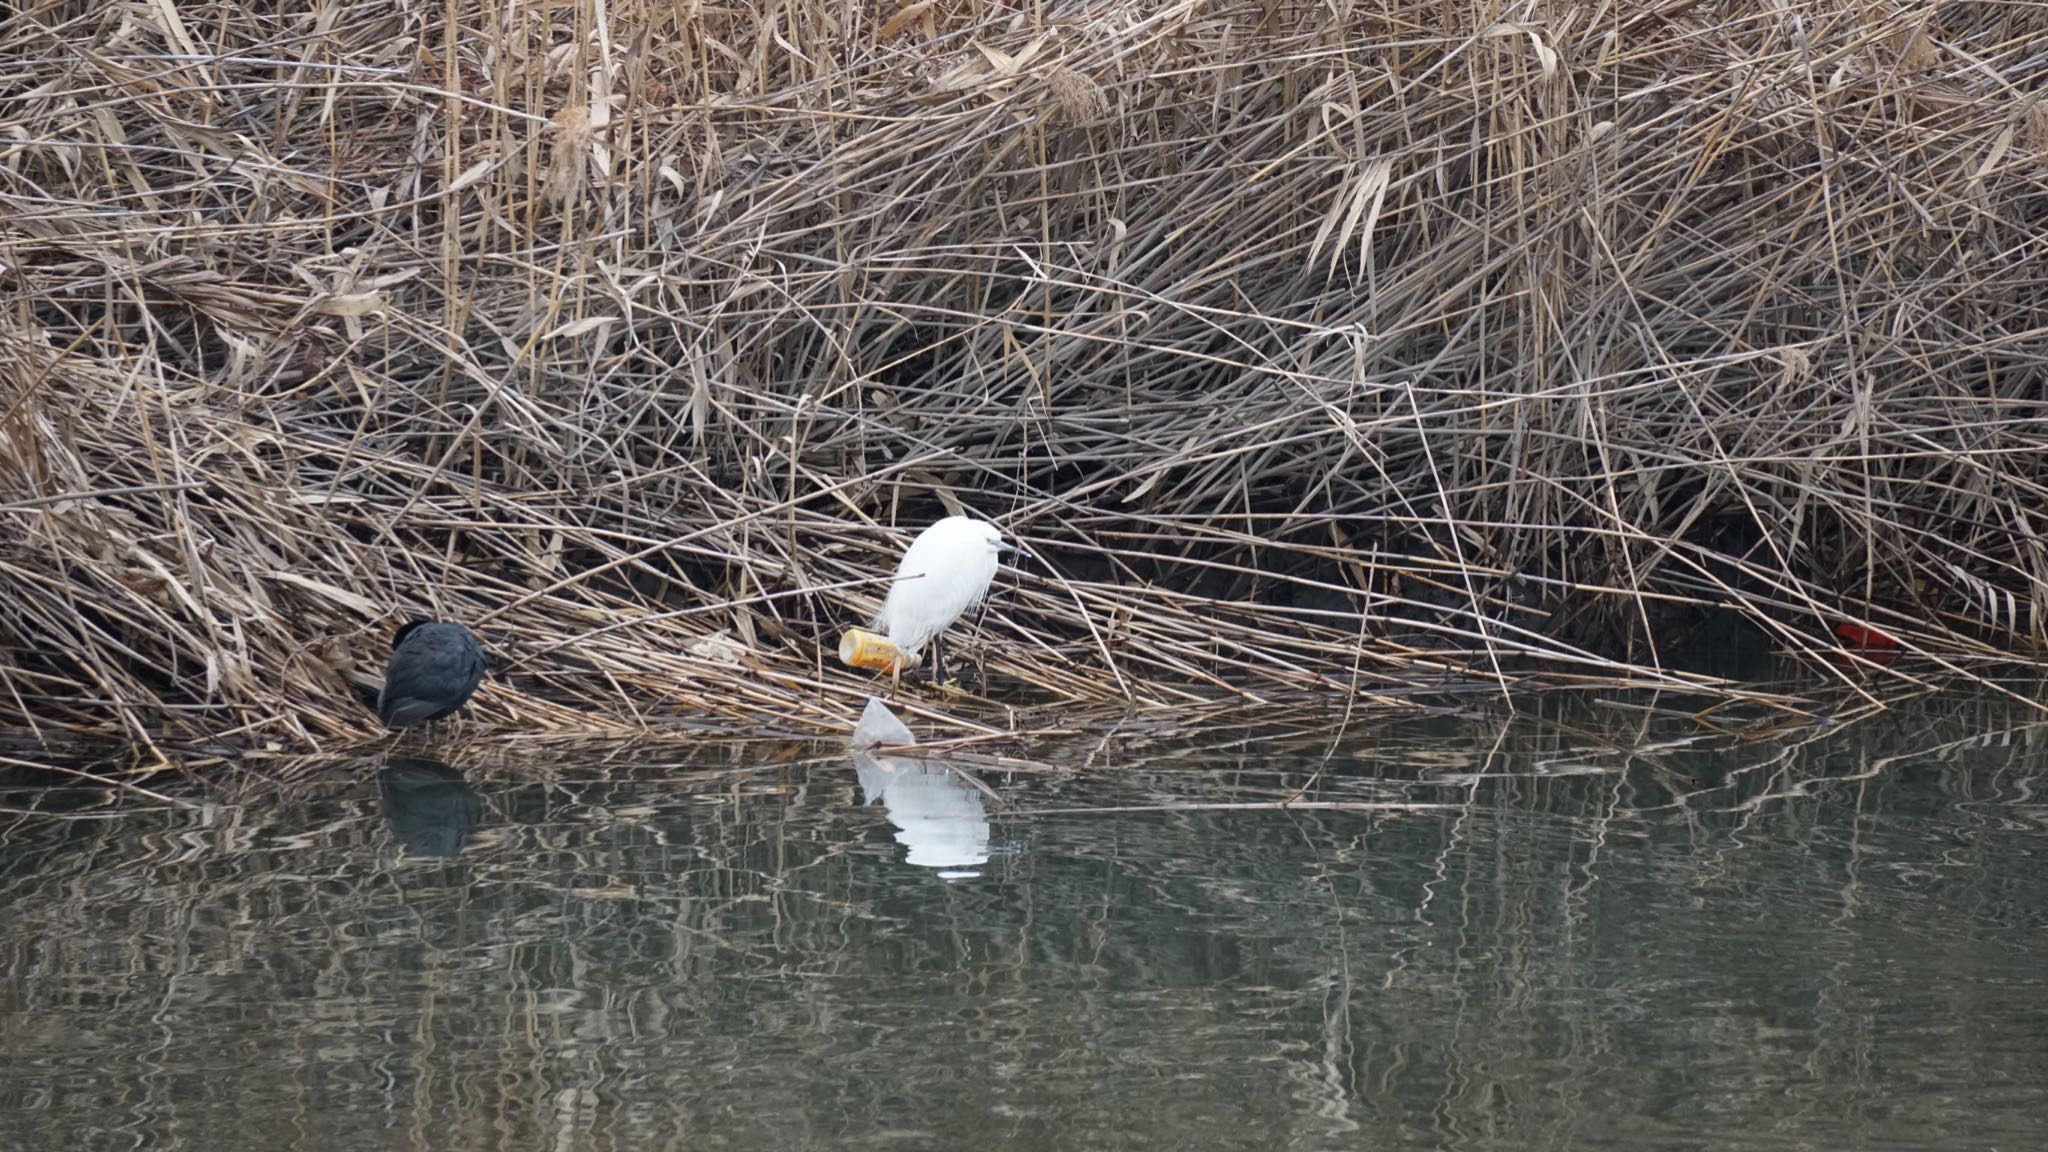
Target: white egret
x,y
946,571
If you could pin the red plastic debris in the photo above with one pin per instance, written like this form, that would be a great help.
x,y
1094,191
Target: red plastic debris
x,y
1859,636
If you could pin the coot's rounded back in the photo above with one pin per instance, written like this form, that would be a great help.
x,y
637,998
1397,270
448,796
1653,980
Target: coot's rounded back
x,y
434,670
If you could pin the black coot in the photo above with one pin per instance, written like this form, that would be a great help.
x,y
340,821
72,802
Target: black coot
x,y
435,668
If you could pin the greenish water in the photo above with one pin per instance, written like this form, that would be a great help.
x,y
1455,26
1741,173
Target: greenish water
x,y
1617,932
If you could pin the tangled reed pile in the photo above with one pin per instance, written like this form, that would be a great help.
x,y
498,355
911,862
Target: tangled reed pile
x,y
1312,348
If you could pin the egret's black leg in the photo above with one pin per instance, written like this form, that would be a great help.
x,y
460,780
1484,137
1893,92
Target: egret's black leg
x,y
938,660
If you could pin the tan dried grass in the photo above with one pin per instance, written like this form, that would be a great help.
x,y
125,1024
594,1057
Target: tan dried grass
x,y
1312,352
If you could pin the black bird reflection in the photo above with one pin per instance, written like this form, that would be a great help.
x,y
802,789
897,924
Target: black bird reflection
x,y
428,805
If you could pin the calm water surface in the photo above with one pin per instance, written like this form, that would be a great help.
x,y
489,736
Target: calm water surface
x,y
1575,928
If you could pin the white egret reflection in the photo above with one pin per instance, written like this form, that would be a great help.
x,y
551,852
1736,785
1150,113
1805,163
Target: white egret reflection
x,y
939,817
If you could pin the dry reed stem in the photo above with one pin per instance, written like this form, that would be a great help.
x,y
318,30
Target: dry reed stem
x,y
1310,353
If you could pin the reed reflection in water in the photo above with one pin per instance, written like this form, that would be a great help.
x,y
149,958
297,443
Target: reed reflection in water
x,y
1615,937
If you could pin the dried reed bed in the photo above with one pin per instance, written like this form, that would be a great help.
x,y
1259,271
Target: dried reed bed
x,y
1312,349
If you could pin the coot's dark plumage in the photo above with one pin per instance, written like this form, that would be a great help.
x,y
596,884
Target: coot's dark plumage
x,y
435,668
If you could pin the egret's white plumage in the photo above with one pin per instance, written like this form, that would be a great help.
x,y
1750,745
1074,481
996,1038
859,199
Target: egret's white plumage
x,y
946,571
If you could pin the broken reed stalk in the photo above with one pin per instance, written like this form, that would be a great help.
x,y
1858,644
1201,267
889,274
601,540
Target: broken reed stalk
x,y
1312,353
